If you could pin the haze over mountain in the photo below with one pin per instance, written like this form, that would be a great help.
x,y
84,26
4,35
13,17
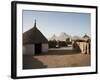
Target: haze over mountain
x,y
54,37
62,37
76,37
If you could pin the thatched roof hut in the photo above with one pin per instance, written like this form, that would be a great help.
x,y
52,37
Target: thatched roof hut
x,y
34,42
34,36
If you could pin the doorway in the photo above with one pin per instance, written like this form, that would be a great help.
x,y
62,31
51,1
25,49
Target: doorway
x,y
38,49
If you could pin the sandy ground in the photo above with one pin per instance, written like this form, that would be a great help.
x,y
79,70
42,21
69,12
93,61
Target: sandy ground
x,y
59,57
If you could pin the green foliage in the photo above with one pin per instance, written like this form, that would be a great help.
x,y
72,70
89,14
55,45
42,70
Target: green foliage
x,y
68,40
62,44
52,44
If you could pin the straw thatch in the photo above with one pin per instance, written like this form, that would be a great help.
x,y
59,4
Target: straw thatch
x,y
33,36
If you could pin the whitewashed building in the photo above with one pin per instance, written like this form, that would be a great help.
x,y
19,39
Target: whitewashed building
x,y
34,42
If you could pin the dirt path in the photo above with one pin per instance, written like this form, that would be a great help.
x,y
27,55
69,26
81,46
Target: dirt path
x,y
62,57
64,60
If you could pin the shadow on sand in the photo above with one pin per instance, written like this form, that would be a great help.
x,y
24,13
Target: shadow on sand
x,y
61,52
30,62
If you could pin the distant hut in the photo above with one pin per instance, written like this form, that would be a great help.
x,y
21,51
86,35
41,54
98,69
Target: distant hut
x,y
34,42
82,44
86,37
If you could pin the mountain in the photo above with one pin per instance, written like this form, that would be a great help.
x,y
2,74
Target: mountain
x,y
76,37
54,37
62,37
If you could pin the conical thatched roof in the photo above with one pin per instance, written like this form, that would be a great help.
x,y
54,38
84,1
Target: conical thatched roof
x,y
33,36
86,36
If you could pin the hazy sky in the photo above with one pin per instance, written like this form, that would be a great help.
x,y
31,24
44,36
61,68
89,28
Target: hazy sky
x,y
50,23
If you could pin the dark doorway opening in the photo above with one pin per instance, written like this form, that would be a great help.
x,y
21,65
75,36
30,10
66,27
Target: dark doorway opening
x,y
38,49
